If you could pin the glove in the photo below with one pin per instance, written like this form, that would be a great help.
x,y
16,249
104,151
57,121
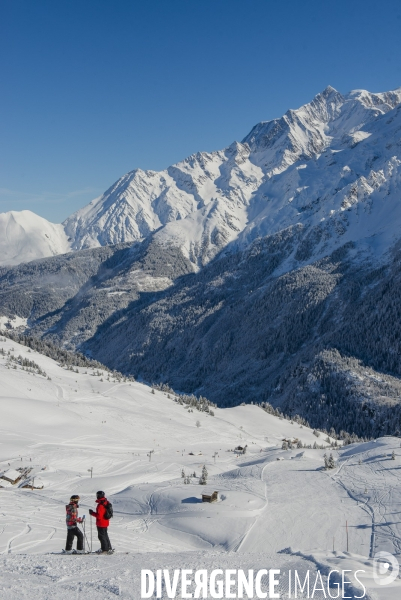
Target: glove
x,y
91,512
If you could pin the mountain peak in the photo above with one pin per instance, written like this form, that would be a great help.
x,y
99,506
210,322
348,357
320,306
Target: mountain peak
x,y
329,90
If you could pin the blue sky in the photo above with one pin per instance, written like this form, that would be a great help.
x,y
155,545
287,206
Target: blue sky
x,y
93,89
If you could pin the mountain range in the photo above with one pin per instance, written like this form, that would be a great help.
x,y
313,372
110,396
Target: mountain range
x,y
269,270
324,166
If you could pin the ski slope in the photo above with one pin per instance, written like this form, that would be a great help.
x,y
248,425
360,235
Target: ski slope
x,y
274,505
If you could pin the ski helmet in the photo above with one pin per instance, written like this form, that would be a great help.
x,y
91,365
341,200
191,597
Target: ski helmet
x,y
100,495
74,498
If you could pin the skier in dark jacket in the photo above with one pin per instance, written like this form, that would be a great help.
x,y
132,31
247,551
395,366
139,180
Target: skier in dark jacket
x,y
72,521
102,523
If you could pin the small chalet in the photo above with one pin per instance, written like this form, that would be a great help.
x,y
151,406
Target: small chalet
x,y
11,476
212,497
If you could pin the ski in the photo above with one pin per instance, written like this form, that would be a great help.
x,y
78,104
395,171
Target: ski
x,y
95,552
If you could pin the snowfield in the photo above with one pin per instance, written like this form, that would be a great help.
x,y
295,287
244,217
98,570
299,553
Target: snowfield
x,y
277,509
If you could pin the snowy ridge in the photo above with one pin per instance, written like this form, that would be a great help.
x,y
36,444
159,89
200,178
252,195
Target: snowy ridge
x,y
199,204
307,167
205,202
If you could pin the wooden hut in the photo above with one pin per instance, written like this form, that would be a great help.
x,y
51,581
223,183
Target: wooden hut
x,y
213,497
11,476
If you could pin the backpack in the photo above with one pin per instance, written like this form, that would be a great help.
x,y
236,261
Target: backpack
x,y
108,510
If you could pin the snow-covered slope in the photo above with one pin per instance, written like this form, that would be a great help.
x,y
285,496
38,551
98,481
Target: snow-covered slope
x,y
331,166
25,236
59,423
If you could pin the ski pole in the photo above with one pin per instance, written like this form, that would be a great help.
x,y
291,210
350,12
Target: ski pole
x,y
83,520
85,533
86,538
91,535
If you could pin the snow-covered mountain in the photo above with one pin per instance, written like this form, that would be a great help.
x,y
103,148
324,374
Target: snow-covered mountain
x,y
331,166
25,236
307,167
304,217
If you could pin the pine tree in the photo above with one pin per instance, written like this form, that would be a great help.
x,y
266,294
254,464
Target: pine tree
x,y
284,446
203,477
393,456
331,463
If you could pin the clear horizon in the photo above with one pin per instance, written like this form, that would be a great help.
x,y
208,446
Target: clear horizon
x,y
91,92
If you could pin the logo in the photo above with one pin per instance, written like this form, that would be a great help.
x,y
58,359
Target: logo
x,y
385,568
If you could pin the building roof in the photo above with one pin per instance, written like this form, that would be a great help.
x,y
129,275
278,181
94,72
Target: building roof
x,y
11,474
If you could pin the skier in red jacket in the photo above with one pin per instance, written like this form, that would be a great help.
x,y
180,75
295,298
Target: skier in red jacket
x,y
102,523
